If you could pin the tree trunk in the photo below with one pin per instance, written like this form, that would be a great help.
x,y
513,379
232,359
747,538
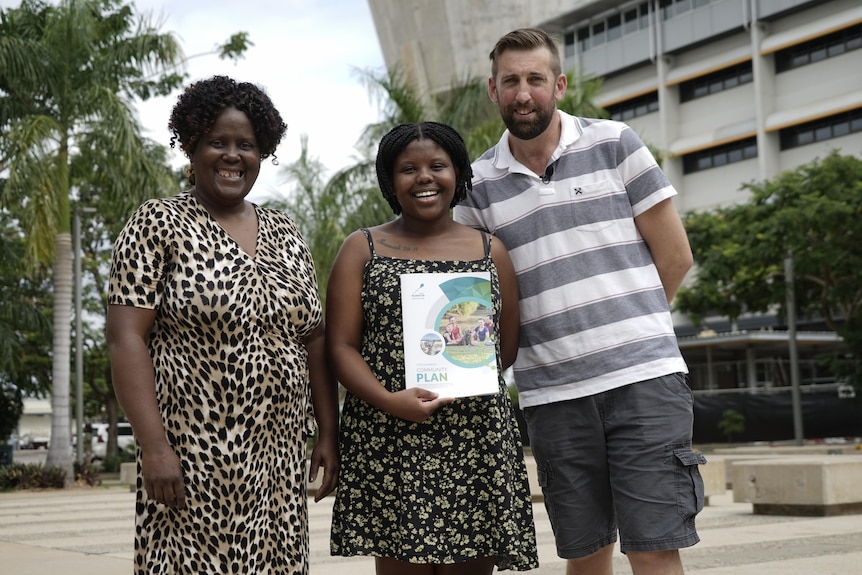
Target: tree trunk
x,y
60,450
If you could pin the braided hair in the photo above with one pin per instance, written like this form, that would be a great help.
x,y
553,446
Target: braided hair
x,y
399,137
200,105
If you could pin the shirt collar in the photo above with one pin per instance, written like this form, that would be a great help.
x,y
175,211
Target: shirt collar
x,y
570,131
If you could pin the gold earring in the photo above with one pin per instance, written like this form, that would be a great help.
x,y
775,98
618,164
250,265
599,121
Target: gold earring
x,y
190,174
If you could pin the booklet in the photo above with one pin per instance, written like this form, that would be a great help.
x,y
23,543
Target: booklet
x,y
449,333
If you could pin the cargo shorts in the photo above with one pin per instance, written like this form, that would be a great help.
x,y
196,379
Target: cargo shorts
x,y
620,462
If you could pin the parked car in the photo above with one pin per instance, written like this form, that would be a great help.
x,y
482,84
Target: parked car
x,y
34,441
99,443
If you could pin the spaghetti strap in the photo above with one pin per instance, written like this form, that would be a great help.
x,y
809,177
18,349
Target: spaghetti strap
x,y
486,240
367,233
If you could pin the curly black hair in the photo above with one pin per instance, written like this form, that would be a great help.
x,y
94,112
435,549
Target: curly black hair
x,y
199,106
399,137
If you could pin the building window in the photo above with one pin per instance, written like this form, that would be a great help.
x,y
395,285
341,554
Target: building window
x,y
818,49
665,9
630,21
672,8
635,107
681,7
643,10
720,156
614,27
569,45
716,82
822,129
598,35
584,39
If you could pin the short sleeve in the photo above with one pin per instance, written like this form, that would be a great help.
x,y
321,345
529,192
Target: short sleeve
x,y
139,257
645,182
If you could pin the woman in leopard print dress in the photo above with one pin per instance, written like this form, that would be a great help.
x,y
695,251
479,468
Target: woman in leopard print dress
x,y
216,341
428,484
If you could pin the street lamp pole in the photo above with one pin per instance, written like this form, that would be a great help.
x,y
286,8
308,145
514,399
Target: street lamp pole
x,y
79,339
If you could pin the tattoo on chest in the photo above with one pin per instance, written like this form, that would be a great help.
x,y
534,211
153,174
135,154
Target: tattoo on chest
x,y
397,247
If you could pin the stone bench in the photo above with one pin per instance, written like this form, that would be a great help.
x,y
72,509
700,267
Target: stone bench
x,y
727,462
714,476
842,448
815,485
129,474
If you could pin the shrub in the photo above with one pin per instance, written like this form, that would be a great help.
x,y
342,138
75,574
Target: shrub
x,y
31,476
112,464
732,423
86,472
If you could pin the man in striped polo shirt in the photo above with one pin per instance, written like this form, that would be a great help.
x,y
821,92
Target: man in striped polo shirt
x,y
600,251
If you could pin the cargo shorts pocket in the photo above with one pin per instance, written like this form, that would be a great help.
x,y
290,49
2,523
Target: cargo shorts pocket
x,y
544,476
689,483
543,472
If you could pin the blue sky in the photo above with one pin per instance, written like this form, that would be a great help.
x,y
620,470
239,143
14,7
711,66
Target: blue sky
x,y
305,54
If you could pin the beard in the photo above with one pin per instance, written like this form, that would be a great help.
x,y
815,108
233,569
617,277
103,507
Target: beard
x,y
527,129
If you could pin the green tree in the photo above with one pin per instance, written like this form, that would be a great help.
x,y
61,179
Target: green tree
x,y
732,423
68,75
20,307
11,406
315,212
22,327
327,211
814,213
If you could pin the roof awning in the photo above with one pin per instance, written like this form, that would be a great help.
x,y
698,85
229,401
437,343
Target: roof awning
x,y
765,338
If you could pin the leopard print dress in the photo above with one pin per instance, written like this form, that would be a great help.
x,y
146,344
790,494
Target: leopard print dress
x,y
447,490
232,386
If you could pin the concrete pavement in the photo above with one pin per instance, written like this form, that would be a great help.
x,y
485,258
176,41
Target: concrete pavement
x,y
88,531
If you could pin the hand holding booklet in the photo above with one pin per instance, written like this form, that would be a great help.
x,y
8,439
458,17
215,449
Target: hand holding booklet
x,y
449,337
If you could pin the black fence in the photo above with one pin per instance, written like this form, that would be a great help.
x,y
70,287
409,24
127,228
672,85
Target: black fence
x,y
768,416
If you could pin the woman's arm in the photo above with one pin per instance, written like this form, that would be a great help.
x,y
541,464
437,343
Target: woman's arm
x,y
344,328
127,332
324,397
509,327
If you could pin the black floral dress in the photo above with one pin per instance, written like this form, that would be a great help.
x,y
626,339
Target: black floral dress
x,y
448,490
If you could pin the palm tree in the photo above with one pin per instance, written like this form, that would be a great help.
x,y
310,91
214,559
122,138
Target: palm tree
x,y
23,330
326,211
464,105
21,318
68,75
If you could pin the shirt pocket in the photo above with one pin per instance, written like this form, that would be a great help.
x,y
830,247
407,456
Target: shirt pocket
x,y
597,205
